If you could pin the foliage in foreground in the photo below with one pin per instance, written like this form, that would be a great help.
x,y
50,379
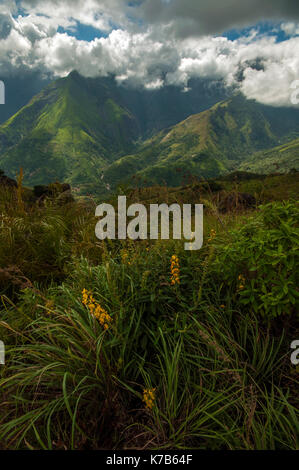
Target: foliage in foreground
x,y
220,379
263,255
148,346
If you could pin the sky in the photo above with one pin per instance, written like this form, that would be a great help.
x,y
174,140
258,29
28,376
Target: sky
x,y
252,45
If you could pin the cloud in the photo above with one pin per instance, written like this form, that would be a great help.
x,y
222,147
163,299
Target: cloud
x,y
272,84
100,14
156,53
185,18
290,28
139,58
8,7
199,17
5,26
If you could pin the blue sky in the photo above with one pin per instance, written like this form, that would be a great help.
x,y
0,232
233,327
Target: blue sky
x,y
88,33
83,32
267,28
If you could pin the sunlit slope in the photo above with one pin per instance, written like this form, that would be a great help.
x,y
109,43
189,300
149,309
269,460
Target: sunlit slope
x,y
283,158
208,144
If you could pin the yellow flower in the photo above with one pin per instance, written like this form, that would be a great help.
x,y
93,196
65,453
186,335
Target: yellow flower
x,y
175,270
212,235
49,305
149,397
96,310
85,296
242,280
124,257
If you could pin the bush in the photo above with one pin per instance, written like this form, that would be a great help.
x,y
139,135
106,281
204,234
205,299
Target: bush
x,y
258,260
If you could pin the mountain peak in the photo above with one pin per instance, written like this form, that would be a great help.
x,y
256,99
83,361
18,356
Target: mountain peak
x,y
74,74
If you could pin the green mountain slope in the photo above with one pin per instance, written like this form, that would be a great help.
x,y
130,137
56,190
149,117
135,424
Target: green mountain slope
x,y
279,159
77,126
66,132
207,144
96,134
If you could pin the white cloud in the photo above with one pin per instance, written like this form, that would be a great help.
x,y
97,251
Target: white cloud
x,y
100,14
272,85
8,7
150,55
290,28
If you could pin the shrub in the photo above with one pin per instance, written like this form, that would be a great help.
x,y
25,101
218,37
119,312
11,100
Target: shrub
x,y
258,260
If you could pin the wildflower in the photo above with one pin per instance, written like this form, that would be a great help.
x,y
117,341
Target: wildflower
x,y
222,306
212,235
49,305
96,310
149,397
124,256
241,280
102,316
86,297
175,270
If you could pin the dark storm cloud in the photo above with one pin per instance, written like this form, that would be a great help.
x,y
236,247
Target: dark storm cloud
x,y
197,17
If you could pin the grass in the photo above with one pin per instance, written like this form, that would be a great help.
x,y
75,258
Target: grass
x,y
218,371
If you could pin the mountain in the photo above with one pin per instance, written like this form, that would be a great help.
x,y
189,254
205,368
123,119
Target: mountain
x,y
63,130
77,126
278,159
210,143
95,134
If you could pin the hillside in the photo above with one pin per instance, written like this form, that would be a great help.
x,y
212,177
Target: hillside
x,y
211,143
282,158
96,134
76,126
63,130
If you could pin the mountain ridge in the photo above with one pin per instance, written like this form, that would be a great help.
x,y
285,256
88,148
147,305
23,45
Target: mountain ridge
x,y
76,126
95,134
207,144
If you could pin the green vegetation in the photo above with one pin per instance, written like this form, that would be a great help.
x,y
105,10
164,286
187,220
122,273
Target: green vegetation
x,y
265,252
282,159
210,144
201,362
96,135
63,130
